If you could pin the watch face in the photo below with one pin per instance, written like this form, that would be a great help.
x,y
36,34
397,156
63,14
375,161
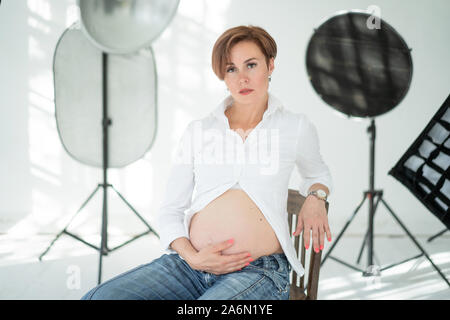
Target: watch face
x,y
321,193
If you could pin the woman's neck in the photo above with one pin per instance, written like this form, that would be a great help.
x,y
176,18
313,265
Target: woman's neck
x,y
247,114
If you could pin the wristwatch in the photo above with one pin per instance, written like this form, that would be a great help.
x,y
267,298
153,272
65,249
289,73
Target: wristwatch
x,y
319,193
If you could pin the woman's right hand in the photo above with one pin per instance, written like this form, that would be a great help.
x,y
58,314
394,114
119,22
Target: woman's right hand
x,y
210,259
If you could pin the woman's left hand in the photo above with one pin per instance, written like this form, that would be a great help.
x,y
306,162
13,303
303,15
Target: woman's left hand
x,y
313,217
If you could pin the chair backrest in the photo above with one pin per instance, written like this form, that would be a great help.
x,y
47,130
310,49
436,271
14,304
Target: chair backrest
x,y
295,202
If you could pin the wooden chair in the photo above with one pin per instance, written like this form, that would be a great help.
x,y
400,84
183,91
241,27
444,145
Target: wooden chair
x,y
295,202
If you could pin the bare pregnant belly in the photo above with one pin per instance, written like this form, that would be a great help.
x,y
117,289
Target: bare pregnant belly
x,y
234,215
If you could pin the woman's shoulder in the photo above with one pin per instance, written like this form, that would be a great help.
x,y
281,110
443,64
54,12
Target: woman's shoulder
x,y
298,117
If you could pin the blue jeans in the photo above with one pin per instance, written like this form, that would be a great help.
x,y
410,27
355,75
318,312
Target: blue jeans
x,y
171,278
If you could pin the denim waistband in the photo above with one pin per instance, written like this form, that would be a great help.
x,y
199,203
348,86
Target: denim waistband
x,y
277,262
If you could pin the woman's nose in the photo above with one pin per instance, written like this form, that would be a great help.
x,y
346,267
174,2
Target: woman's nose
x,y
243,80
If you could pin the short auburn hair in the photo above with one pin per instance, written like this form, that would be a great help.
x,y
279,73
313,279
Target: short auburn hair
x,y
224,44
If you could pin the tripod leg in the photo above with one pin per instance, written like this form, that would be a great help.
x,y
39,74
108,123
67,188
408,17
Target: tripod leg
x,y
70,221
415,242
362,247
343,230
135,212
367,234
436,235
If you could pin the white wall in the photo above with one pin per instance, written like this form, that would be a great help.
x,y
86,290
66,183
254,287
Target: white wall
x,y
41,186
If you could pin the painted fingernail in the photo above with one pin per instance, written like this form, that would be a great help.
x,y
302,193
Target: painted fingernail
x,y
321,247
247,263
251,260
307,247
316,250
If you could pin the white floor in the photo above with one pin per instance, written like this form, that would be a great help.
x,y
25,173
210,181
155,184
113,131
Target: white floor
x,y
70,268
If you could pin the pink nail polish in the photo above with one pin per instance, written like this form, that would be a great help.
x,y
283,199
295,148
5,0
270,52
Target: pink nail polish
x,y
321,247
307,247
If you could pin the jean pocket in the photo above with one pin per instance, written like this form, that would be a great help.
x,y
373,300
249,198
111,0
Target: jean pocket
x,y
282,283
284,273
279,279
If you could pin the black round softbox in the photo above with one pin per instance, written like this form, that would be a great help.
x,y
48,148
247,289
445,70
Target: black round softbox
x,y
357,70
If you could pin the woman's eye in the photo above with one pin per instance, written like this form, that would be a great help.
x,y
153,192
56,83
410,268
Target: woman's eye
x,y
248,65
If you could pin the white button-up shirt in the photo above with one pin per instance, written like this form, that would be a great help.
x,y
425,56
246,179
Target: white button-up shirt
x,y
211,158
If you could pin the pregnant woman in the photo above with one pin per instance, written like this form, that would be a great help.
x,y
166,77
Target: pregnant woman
x,y
223,221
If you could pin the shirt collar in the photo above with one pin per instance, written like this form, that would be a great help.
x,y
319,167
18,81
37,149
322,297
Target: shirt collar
x,y
274,104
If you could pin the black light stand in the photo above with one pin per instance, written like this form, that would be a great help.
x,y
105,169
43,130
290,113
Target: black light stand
x,y
103,250
440,233
371,194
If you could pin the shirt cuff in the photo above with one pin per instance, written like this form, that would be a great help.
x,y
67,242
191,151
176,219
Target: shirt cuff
x,y
168,235
306,184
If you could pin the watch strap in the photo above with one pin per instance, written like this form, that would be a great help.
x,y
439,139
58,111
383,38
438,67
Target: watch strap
x,y
316,194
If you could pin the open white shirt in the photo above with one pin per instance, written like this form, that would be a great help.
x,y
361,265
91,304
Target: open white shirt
x,y
211,158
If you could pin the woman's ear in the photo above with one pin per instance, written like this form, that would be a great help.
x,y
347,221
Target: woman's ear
x,y
271,65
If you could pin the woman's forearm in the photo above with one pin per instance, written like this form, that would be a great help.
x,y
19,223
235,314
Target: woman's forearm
x,y
184,248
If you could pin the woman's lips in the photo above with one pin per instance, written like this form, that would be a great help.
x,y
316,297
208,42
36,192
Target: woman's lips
x,y
246,91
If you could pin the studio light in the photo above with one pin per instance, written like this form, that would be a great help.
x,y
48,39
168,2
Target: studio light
x,y
424,168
